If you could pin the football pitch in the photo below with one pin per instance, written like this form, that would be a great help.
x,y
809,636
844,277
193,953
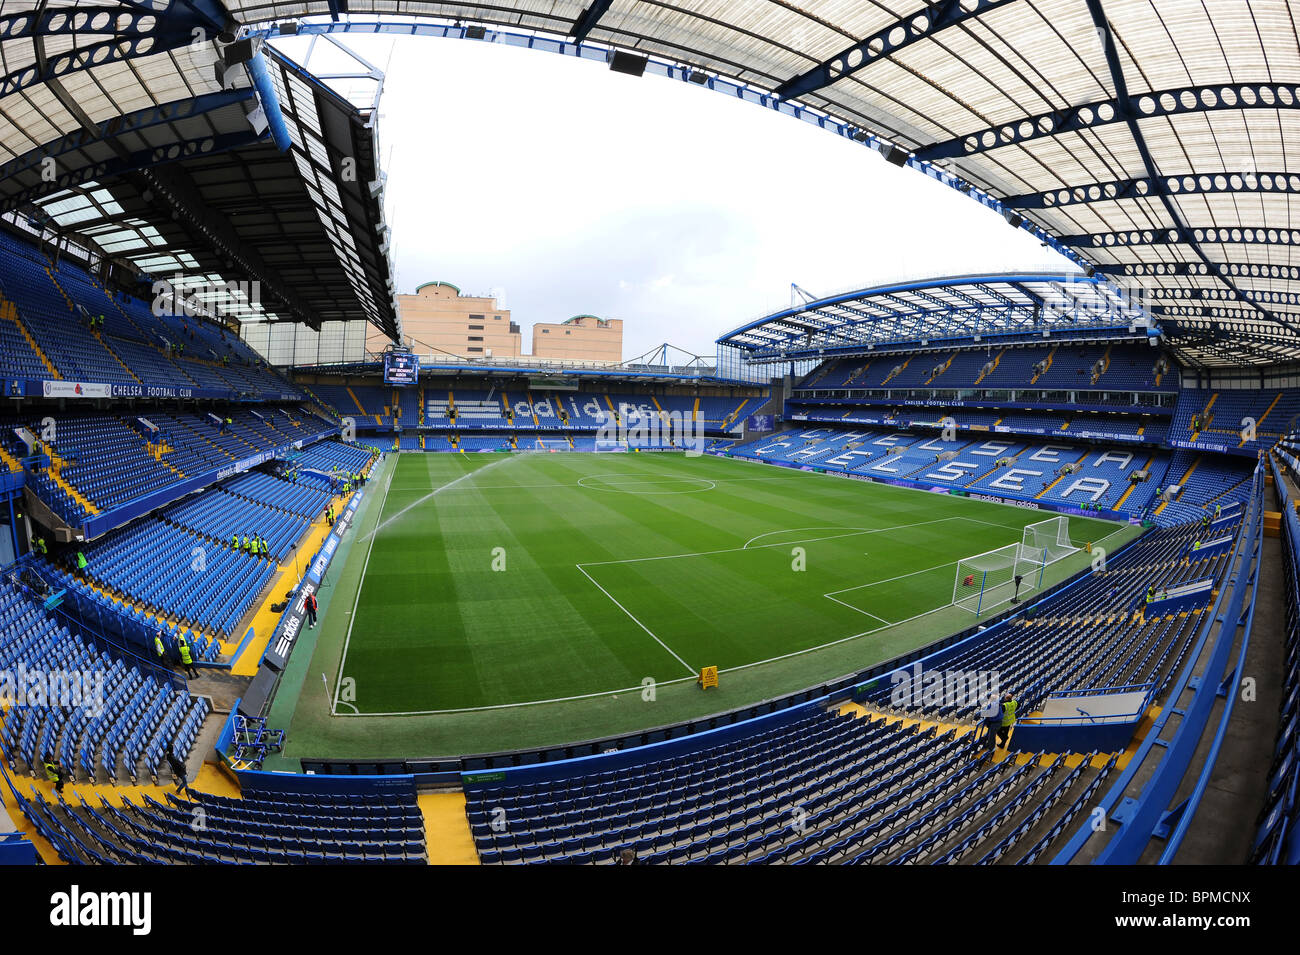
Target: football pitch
x,y
488,581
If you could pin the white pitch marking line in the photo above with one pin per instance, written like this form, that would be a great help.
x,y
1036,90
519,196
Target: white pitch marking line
x,y
865,613
635,620
437,490
890,580
361,582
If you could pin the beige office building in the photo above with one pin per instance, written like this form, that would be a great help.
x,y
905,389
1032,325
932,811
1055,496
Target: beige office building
x,y
438,320
581,338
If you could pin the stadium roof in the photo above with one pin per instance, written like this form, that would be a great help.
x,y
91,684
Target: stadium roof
x,y
1153,138
965,309
145,133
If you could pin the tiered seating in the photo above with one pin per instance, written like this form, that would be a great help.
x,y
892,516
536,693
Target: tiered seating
x,y
116,731
109,460
1215,479
296,498
474,409
153,564
54,304
327,455
863,790
477,442
262,827
1088,636
1127,368
1220,414
218,516
1102,478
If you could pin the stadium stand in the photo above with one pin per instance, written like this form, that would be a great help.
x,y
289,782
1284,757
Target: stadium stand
x,y
117,729
145,445
261,827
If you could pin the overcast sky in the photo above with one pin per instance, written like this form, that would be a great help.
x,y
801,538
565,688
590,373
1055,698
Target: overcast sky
x,y
684,212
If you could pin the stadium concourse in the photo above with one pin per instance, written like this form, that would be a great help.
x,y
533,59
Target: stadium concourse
x,y
1055,618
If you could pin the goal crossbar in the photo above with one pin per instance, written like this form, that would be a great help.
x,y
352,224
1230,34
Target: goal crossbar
x,y
989,580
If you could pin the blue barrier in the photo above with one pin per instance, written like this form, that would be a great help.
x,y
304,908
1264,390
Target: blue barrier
x,y
1187,596
619,759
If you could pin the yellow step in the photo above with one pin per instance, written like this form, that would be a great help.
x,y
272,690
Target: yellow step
x,y
942,368
1059,478
447,835
1050,355
1181,483
735,415
1260,422
10,311
1132,484
894,374
996,361
1205,417
109,348
57,464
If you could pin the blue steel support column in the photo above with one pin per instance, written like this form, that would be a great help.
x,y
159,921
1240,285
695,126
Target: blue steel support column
x,y
261,76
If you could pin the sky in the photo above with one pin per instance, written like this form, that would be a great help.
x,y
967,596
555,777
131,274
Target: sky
x,y
565,189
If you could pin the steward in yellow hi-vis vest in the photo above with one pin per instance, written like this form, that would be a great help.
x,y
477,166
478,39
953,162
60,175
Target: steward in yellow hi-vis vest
x,y
1009,706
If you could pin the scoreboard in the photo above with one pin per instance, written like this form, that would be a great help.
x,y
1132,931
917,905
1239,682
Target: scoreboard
x,y
401,368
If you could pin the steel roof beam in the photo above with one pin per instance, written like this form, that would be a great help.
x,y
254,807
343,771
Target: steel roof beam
x,y
110,132
1244,235
126,38
1120,109
589,19
899,35
1151,187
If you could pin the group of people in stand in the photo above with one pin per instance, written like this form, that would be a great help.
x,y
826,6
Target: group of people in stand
x,y
184,652
347,480
254,546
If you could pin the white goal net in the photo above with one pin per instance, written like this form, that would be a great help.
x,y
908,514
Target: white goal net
x,y
1049,540
997,577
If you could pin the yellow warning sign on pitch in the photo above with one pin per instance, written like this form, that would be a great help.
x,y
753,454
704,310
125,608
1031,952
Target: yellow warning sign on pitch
x,y
708,677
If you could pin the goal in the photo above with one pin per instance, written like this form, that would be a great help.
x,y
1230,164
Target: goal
x,y
996,577
554,444
1048,540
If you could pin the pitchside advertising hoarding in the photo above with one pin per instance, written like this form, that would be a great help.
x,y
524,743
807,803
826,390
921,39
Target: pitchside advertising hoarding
x,y
277,654
401,368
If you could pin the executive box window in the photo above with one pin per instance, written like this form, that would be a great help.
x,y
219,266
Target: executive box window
x,y
476,328
476,318
476,338
473,348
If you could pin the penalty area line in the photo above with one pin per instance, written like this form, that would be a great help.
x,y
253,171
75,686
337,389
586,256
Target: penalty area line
x,y
631,615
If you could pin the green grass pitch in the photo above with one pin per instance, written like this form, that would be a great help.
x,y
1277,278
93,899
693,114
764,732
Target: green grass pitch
x,y
492,579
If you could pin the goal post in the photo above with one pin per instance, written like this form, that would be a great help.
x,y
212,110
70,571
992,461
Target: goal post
x,y
1048,540
989,580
